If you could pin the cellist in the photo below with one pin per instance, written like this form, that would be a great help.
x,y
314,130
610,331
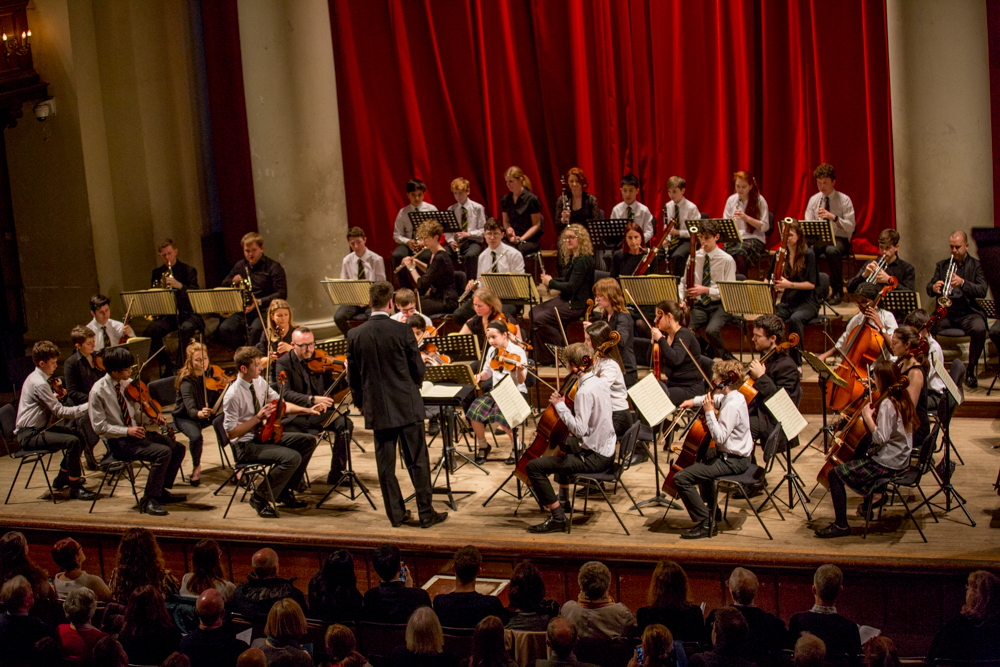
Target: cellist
x,y
891,431
881,319
590,422
780,372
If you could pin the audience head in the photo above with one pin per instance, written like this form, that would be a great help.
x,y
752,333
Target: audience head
x,y
810,651
265,563
206,563
423,633
488,643
109,653
15,560
176,659
337,573
594,579
880,652
146,609
561,637
140,562
730,629
743,586
211,608
80,605
467,564
286,622
67,554
668,589
526,590
982,597
252,657
827,583
342,647
16,595
657,645
386,562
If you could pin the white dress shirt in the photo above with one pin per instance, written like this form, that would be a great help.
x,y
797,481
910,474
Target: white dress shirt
x,y
893,444
688,212
38,401
115,331
237,406
501,372
373,263
730,428
399,317
402,230
640,215
106,414
591,422
509,260
723,268
840,205
610,372
888,321
934,381
476,213
747,231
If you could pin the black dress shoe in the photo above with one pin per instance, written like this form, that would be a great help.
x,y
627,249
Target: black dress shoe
x,y
971,381
639,456
833,530
263,508
483,453
407,515
550,525
167,498
700,531
60,482
433,428
289,500
438,517
150,506
510,460
80,492
834,300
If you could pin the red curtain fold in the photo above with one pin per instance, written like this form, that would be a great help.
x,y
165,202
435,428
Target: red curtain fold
x,y
448,88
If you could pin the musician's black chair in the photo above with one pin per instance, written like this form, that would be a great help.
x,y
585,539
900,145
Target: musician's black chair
x,y
251,472
8,416
612,475
909,478
751,477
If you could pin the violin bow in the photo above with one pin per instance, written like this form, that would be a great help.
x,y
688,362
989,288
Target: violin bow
x,y
204,351
561,329
643,315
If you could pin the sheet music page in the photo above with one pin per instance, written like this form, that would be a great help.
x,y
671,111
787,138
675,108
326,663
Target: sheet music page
x,y
430,390
785,413
650,399
953,389
511,402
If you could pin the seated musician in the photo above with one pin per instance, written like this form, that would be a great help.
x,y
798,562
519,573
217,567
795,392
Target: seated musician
x,y
310,389
881,319
81,373
402,230
679,211
730,430
484,409
683,379
609,298
632,210
592,427
707,310
486,307
124,425
436,283
406,307
967,284
276,338
835,206
626,261
892,265
195,402
891,431
799,278
522,213
573,285
747,208
359,264
267,281
935,385
471,215
913,364
38,407
608,366
106,330
778,372
496,258
176,275
247,405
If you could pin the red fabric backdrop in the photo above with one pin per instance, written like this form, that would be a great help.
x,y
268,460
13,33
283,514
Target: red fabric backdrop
x,y
449,88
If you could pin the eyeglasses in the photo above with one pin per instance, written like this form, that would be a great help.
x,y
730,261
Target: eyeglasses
x,y
305,346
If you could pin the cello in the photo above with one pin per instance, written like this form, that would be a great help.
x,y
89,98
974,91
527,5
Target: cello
x,y
747,388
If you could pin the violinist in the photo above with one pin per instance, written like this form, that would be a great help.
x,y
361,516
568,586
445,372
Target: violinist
x,y
608,366
508,359
268,282
122,424
935,385
276,337
683,379
107,331
779,372
889,265
799,278
609,298
247,405
590,424
38,406
730,429
711,265
913,364
626,260
81,373
420,332
359,264
679,210
175,275
406,307
879,318
437,283
496,258
194,413
891,431
487,308
573,285
311,389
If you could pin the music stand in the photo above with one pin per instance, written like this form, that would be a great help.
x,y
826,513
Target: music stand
x,y
334,346
795,486
746,297
902,301
221,300
449,223
458,347
650,290
606,234
348,475
139,346
818,232
459,374
728,233
348,292
989,307
516,289
825,374
150,303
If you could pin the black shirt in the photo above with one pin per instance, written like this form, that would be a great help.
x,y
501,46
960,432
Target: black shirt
x,y
262,343
80,377
686,625
576,281
963,299
266,276
153,646
192,399
212,648
186,275
255,598
625,326
439,278
624,264
465,610
840,635
962,639
18,635
675,363
393,602
766,633
519,213
900,270
793,298
590,210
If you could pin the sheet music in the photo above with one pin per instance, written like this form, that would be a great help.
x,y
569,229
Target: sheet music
x,y
511,402
651,401
785,413
431,390
953,389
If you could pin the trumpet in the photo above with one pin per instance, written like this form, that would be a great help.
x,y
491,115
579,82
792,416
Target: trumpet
x,y
169,273
879,267
944,300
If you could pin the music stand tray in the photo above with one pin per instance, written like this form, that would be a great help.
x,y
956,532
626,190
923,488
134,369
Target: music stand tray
x,y
901,301
450,374
650,290
989,307
818,232
728,233
746,297
518,289
606,234
449,223
221,300
150,303
348,292
333,346
458,347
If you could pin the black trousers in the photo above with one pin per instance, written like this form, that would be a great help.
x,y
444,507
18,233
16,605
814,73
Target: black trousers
x,y
233,330
411,437
974,326
431,306
680,393
700,477
526,247
290,455
679,257
342,428
713,317
995,334
188,324
163,454
543,319
581,460
342,318
467,256
622,420
835,261
58,438
797,319
192,430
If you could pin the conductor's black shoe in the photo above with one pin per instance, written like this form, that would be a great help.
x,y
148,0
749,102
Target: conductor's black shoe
x,y
80,492
438,517
550,525
150,506
406,518
971,381
434,427
263,508
289,500
833,530
167,498
703,529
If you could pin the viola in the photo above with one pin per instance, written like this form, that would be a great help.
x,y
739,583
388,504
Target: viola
x,y
430,353
271,429
323,362
216,378
747,388
99,360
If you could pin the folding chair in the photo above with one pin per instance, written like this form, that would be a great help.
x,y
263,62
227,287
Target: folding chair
x,y
251,471
8,420
909,478
113,469
612,474
751,477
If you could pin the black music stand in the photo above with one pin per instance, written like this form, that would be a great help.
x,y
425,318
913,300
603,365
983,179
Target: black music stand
x,y
606,235
463,399
348,475
952,498
795,486
989,307
818,232
457,347
826,374
900,302
660,499
337,346
517,453
728,233
449,223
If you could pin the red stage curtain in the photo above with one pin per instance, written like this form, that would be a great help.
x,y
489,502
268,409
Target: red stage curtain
x,y
435,90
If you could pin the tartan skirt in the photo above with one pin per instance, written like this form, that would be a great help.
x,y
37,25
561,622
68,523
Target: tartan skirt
x,y
863,475
485,411
752,248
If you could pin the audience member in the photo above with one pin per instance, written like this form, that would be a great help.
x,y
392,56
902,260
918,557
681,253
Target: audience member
x,y
810,651
881,651
767,634
140,563
424,643
488,649
529,610
465,607
285,628
78,637
206,561
560,637
393,601
149,634
176,659
659,650
594,613
840,635
975,633
669,605
15,560
342,647
252,657
729,636
19,632
264,587
211,644
68,554
333,591
109,653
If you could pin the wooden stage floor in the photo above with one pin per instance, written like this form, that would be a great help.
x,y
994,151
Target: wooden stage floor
x,y
496,530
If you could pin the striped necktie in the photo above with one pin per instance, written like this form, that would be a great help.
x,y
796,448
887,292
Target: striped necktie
x,y
361,270
630,215
253,395
126,417
706,279
105,337
465,220
493,259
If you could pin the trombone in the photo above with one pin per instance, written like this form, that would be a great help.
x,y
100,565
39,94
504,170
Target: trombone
x,y
944,300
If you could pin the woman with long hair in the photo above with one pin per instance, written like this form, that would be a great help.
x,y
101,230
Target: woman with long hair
x,y
522,213
342,647
913,364
682,380
609,298
488,649
436,285
746,206
424,643
975,633
148,634
799,278
488,308
626,260
206,565
15,560
669,605
333,590
580,206
193,413
891,429
277,334
286,626
658,648
529,609
573,287
140,563
608,366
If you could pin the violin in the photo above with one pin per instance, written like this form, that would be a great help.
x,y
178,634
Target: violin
x,y
138,392
429,351
512,330
57,388
99,360
747,388
216,379
271,429
505,360
323,362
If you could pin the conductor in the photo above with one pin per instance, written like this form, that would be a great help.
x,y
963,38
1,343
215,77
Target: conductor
x,y
385,371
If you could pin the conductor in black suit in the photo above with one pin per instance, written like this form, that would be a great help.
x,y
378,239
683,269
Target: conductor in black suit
x,y
385,372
